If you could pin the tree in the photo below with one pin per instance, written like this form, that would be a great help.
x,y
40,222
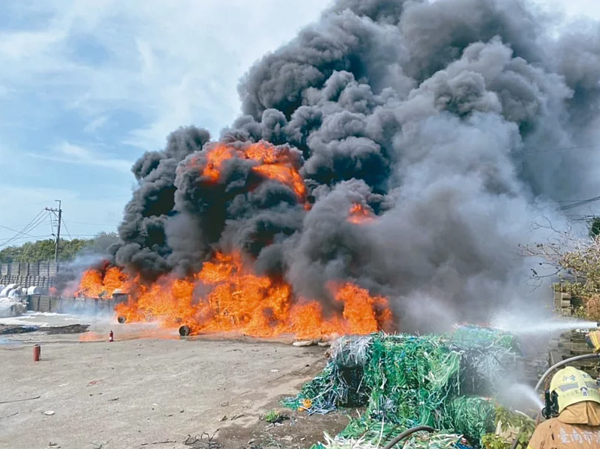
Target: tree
x,y
595,227
43,250
575,265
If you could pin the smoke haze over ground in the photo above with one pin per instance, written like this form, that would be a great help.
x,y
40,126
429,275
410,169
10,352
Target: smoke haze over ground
x,y
457,122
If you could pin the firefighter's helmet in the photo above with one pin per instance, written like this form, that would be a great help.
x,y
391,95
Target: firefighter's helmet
x,y
573,386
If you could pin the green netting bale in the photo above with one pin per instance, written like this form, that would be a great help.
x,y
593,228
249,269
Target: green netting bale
x,y
325,394
351,352
472,417
407,381
340,384
420,440
434,441
410,377
484,337
488,357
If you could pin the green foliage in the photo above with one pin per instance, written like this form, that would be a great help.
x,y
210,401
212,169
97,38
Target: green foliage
x,y
272,417
595,227
576,262
43,250
493,441
507,420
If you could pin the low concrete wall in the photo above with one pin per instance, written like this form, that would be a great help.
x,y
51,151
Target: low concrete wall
x,y
43,303
35,274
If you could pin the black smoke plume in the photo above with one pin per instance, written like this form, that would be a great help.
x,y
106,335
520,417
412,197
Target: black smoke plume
x,y
448,119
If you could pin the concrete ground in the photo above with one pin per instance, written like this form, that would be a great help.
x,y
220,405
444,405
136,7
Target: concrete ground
x,y
151,393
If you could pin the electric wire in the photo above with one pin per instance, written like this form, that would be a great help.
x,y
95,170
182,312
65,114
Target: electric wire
x,y
66,229
39,218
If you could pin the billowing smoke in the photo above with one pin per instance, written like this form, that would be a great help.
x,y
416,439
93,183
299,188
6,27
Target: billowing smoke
x,y
449,120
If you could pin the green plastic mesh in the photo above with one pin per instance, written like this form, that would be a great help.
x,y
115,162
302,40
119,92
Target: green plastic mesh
x,y
405,381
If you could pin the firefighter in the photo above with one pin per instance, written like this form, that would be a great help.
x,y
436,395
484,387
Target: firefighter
x,y
575,401
593,340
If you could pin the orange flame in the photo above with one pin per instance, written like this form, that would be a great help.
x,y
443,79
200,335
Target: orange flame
x,y
95,284
360,215
226,296
277,163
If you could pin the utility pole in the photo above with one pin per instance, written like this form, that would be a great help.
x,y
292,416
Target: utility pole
x,y
57,245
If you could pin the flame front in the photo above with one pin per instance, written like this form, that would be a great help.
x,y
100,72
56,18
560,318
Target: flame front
x,y
272,162
96,284
226,296
360,215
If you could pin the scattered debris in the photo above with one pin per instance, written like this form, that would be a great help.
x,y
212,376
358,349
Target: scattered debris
x,y
274,417
304,343
64,330
14,329
20,400
49,413
159,442
205,441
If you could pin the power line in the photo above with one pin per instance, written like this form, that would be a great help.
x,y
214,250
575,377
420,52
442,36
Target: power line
x,y
13,230
35,237
93,224
66,229
39,218
581,147
59,221
51,224
580,203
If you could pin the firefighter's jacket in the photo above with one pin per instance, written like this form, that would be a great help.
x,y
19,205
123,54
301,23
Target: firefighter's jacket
x,y
577,427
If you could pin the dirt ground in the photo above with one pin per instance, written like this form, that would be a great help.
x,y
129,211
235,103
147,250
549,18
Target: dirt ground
x,y
154,393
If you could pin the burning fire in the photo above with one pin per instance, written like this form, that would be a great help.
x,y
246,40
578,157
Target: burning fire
x,y
95,284
360,215
277,163
226,296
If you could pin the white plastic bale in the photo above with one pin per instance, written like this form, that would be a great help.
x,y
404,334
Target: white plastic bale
x,y
33,290
4,292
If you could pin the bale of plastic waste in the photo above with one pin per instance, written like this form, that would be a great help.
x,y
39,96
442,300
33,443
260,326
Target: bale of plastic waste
x,y
405,381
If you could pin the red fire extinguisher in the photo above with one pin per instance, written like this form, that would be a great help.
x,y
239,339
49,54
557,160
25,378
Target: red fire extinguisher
x,y
110,336
37,353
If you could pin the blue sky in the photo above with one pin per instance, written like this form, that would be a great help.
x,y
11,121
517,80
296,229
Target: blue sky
x,y
87,86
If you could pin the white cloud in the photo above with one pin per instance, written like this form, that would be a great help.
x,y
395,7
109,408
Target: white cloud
x,y
172,63
131,71
96,124
74,154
